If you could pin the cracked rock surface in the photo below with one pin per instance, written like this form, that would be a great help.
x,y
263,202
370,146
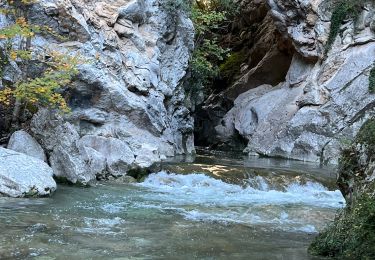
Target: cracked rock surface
x,y
127,103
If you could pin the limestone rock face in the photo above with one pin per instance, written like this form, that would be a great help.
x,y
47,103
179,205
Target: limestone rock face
x,y
127,103
24,176
323,100
23,142
304,22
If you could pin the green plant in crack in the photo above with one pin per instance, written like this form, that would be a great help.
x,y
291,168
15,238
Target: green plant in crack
x,y
372,80
343,9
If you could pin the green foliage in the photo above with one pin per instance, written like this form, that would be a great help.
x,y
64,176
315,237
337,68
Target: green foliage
x,y
208,17
366,134
372,81
174,6
45,90
201,65
351,235
208,53
232,65
229,6
343,9
205,20
41,90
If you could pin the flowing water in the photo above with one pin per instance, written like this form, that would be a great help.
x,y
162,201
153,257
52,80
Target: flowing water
x,y
218,207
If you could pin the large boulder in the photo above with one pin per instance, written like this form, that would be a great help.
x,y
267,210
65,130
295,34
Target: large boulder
x,y
24,176
23,142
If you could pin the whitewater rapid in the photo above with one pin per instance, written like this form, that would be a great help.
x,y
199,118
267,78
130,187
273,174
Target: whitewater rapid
x,y
294,207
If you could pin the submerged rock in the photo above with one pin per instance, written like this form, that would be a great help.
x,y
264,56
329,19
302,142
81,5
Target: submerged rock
x,y
24,176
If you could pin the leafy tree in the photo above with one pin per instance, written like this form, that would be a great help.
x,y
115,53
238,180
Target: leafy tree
x,y
44,89
209,17
208,54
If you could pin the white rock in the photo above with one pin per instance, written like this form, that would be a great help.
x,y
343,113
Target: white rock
x,y
22,175
23,142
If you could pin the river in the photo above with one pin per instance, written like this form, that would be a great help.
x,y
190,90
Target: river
x,y
214,206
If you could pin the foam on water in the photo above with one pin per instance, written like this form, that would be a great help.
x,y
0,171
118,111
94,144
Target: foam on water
x,y
201,189
202,198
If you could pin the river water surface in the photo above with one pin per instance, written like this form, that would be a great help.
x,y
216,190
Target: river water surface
x,y
218,206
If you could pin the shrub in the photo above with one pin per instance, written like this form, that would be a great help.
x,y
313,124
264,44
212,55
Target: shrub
x,y
204,64
174,6
352,234
44,89
343,9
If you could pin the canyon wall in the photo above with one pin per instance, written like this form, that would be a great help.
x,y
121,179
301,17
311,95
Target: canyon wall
x,y
128,106
292,99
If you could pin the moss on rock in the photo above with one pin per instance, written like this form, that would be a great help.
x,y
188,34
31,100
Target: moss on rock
x,y
343,9
366,134
232,65
371,86
139,173
352,234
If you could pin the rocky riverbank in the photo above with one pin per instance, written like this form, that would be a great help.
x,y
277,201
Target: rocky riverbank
x,y
352,235
127,103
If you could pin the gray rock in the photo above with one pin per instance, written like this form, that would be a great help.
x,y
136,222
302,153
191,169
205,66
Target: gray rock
x,y
133,11
118,155
128,103
22,175
322,103
22,142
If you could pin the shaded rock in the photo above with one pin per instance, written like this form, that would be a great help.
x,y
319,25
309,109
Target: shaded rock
x,y
24,176
123,179
319,104
133,11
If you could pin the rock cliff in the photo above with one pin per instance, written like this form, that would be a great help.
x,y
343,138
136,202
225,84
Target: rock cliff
x,y
127,103
291,98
